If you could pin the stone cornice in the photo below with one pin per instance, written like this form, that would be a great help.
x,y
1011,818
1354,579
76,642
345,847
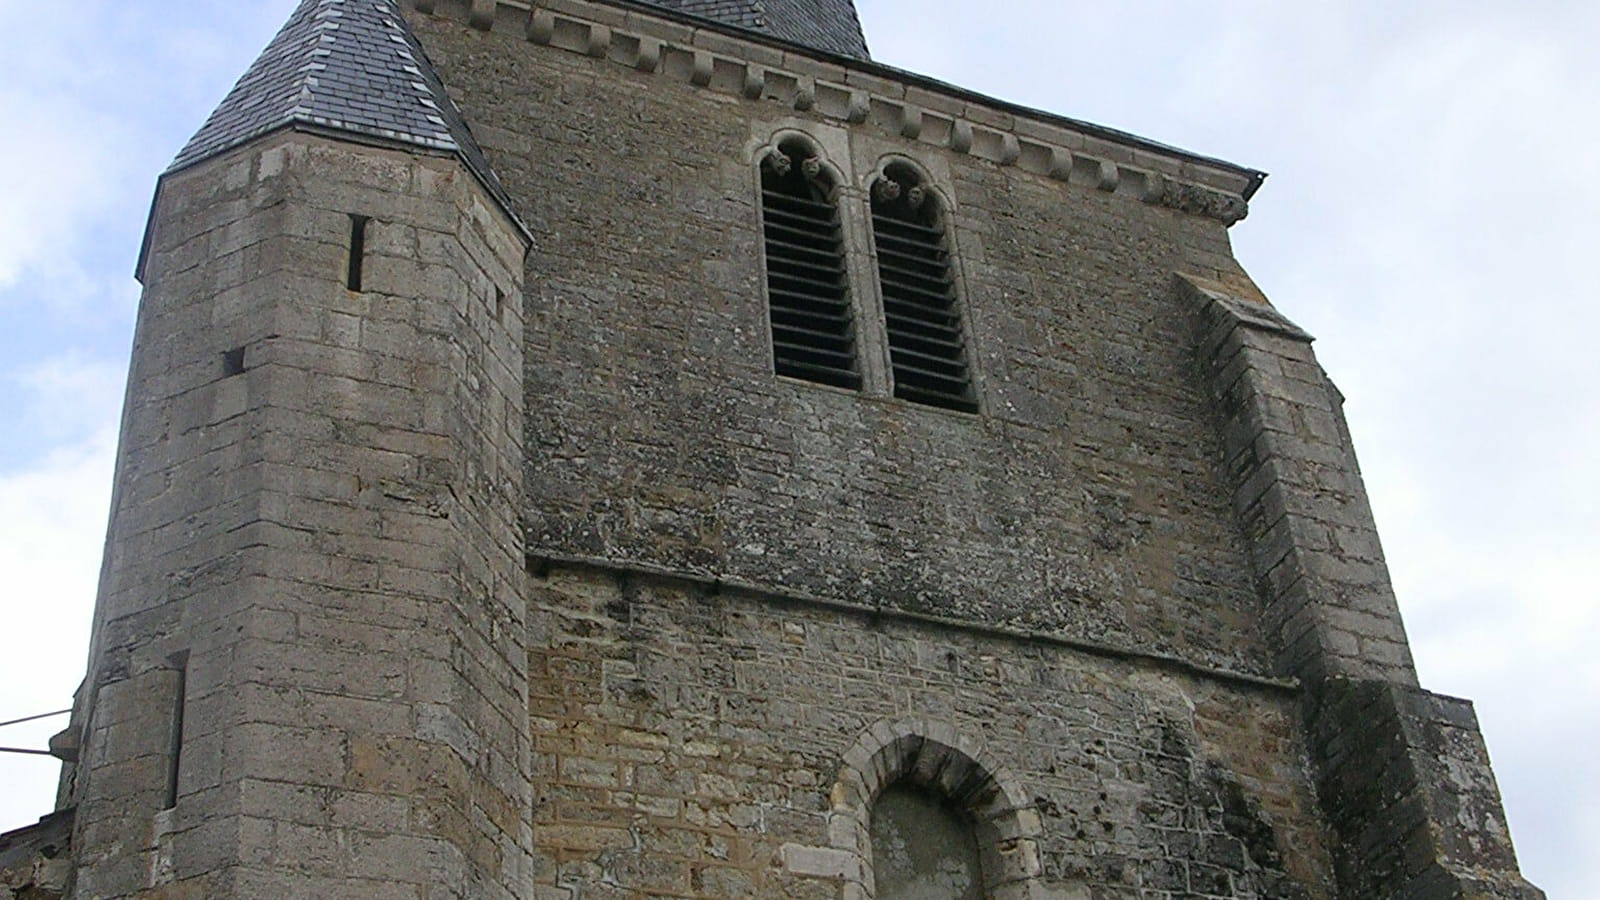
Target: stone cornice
x,y
723,59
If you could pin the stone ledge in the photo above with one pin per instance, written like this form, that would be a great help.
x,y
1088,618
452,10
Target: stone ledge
x,y
540,562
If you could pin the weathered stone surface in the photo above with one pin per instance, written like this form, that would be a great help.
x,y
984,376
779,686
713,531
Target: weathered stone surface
x,y
702,731
35,862
525,577
314,570
1406,780
1088,498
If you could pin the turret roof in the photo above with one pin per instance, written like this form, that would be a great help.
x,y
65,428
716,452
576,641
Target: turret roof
x,y
350,67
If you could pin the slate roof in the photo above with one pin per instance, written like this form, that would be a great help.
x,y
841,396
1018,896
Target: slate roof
x,y
829,25
348,66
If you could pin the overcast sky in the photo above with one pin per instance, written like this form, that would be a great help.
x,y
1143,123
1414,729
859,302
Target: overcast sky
x,y
1431,217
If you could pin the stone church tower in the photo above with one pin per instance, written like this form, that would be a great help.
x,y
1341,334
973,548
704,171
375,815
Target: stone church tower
x,y
592,449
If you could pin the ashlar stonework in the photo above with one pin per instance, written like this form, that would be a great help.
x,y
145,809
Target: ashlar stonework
x,y
467,542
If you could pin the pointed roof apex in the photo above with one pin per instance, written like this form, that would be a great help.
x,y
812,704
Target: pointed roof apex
x,y
346,67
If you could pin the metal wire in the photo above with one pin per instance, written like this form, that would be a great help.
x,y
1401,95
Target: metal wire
x,y
50,715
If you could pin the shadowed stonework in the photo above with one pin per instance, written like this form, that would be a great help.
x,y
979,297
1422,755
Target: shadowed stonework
x,y
592,449
922,849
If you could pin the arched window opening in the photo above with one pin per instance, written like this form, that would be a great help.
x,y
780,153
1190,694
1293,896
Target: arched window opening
x,y
813,328
932,816
923,847
927,348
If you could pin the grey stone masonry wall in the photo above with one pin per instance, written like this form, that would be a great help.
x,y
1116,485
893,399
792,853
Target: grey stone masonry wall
x,y
313,561
1087,498
691,741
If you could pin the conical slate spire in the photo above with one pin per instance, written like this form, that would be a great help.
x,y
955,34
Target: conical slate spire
x,y
344,66
829,25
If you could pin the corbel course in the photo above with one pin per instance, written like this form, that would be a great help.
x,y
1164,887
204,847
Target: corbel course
x,y
718,61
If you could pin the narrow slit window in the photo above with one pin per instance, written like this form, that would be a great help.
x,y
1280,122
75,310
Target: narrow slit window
x,y
813,327
922,313
180,692
358,251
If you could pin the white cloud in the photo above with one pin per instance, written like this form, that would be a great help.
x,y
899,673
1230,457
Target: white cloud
x,y
50,516
67,397
53,183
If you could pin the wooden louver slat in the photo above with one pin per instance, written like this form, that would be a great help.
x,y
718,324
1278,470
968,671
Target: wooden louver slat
x,y
813,332
927,353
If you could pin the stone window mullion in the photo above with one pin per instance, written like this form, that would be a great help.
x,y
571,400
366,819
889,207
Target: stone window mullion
x,y
855,209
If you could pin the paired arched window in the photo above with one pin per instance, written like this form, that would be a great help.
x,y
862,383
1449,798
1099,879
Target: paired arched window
x,y
927,349
808,290
813,319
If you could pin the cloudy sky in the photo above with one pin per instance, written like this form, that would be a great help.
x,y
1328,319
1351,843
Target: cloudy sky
x,y
1431,217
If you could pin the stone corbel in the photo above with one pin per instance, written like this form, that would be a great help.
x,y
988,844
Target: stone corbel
x,y
481,15
1192,198
961,136
1010,149
599,43
649,57
1108,175
755,82
704,66
860,108
1060,163
1155,187
805,93
541,26
910,122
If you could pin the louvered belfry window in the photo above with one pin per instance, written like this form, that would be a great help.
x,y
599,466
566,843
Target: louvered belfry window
x,y
927,350
813,329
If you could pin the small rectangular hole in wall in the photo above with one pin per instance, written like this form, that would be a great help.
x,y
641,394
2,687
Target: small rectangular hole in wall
x,y
358,251
233,362
500,306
